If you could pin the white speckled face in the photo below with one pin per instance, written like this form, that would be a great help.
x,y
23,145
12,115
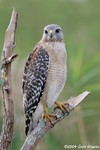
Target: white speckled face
x,y
52,32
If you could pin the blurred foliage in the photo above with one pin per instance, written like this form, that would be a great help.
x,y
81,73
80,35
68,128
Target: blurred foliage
x,y
80,20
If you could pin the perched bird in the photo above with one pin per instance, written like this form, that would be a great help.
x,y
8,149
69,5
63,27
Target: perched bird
x,y
44,76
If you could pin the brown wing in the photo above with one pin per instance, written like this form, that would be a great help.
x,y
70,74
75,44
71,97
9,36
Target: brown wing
x,y
34,79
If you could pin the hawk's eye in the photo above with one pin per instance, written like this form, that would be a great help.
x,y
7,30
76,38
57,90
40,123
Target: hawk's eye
x,y
46,32
57,30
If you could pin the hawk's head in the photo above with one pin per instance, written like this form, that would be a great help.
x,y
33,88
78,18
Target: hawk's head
x,y
52,32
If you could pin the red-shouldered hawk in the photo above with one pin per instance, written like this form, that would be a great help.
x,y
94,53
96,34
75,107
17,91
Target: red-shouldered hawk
x,y
44,75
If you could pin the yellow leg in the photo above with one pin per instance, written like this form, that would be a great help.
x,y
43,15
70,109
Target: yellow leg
x,y
48,116
62,106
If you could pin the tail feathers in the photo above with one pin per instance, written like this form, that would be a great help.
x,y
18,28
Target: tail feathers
x,y
27,125
32,120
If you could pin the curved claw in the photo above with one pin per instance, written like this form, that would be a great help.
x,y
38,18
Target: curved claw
x,y
48,116
62,106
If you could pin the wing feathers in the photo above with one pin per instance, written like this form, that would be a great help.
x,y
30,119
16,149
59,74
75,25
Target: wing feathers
x,y
34,79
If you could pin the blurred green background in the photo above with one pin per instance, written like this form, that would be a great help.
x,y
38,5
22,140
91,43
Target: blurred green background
x,y
80,21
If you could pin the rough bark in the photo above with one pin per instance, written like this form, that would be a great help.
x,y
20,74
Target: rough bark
x,y
34,137
7,92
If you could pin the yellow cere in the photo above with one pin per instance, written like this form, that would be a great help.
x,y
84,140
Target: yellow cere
x,y
51,31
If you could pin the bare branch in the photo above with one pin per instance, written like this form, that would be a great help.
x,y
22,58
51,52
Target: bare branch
x,y
7,93
8,108
34,137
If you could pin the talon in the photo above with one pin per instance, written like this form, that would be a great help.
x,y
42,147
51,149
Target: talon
x,y
62,106
48,116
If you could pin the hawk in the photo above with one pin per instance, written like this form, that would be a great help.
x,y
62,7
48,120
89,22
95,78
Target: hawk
x,y
44,76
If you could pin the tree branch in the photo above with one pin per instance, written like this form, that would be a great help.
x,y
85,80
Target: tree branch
x,y
34,137
7,92
8,108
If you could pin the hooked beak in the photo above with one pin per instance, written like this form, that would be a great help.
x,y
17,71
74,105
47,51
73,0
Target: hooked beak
x,y
51,33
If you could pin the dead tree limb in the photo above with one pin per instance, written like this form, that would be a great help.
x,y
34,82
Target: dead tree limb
x,y
34,137
7,92
8,108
